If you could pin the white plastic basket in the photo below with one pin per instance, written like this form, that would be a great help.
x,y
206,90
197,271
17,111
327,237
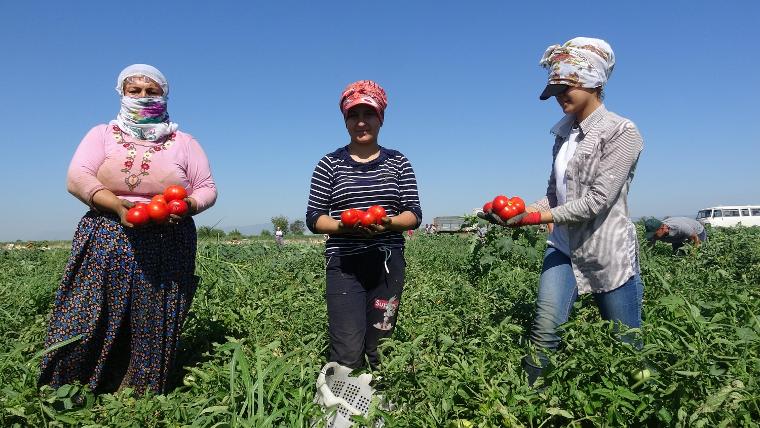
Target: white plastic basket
x,y
348,395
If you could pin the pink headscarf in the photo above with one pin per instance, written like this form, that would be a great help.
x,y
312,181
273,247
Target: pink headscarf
x,y
364,92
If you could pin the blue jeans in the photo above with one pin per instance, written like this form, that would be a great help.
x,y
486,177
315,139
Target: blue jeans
x,y
557,291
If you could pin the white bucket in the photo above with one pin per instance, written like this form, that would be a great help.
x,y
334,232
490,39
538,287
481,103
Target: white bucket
x,y
348,395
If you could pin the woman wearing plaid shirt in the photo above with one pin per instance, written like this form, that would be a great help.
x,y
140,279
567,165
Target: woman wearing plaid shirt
x,y
592,247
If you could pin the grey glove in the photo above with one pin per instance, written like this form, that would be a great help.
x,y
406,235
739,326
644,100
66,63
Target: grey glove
x,y
491,218
515,221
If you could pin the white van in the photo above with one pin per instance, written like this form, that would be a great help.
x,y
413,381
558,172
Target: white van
x,y
730,215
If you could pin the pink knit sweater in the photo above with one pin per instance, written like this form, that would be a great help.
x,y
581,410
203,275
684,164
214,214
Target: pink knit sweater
x,y
100,162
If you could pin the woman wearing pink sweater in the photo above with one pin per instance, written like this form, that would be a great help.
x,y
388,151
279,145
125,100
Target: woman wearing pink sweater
x,y
126,290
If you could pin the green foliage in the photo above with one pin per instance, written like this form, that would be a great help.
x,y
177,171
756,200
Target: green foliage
x,y
297,227
235,234
257,336
266,232
207,232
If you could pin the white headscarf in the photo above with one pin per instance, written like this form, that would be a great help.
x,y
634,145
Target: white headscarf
x,y
142,70
144,118
581,62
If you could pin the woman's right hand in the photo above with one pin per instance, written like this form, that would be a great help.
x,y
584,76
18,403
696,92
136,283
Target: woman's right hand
x,y
105,201
491,218
122,209
495,219
549,226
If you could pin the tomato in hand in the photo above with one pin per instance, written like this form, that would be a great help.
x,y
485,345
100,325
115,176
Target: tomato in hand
x,y
378,212
518,203
138,216
172,193
350,217
141,206
499,203
158,198
177,207
507,212
368,219
487,208
158,211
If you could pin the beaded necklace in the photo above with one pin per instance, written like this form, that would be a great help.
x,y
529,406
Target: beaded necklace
x,y
133,180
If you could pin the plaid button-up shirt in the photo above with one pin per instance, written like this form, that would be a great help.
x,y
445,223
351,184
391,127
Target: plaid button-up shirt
x,y
603,244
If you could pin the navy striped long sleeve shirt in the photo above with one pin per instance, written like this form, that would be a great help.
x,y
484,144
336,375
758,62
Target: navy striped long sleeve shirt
x,y
340,183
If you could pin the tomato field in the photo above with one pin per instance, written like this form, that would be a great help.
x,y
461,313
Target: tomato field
x,y
257,337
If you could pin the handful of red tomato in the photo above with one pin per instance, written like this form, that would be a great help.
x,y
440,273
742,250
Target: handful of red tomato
x,y
172,201
374,215
505,207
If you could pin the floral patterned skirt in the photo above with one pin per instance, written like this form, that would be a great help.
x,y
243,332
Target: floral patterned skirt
x,y
127,293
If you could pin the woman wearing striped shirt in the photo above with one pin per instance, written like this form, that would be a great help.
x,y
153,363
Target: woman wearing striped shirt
x,y
365,265
592,247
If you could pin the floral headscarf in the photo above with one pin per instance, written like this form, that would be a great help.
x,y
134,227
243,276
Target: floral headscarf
x,y
581,62
364,92
144,118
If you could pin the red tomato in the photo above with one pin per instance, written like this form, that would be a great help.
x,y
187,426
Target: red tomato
x,y
141,206
507,212
158,198
518,203
367,219
487,207
378,212
499,203
138,216
158,211
350,217
177,207
172,193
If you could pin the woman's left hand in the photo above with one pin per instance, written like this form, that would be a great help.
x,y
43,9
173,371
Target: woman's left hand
x,y
373,229
191,207
384,226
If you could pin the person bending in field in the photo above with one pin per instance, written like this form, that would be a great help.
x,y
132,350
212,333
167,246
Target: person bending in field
x,y
592,247
364,265
126,290
675,231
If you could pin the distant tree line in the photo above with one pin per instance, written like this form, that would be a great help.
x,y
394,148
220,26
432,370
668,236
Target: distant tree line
x,y
297,227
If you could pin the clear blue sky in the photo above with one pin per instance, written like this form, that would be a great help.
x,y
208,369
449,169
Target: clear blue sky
x,y
257,83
